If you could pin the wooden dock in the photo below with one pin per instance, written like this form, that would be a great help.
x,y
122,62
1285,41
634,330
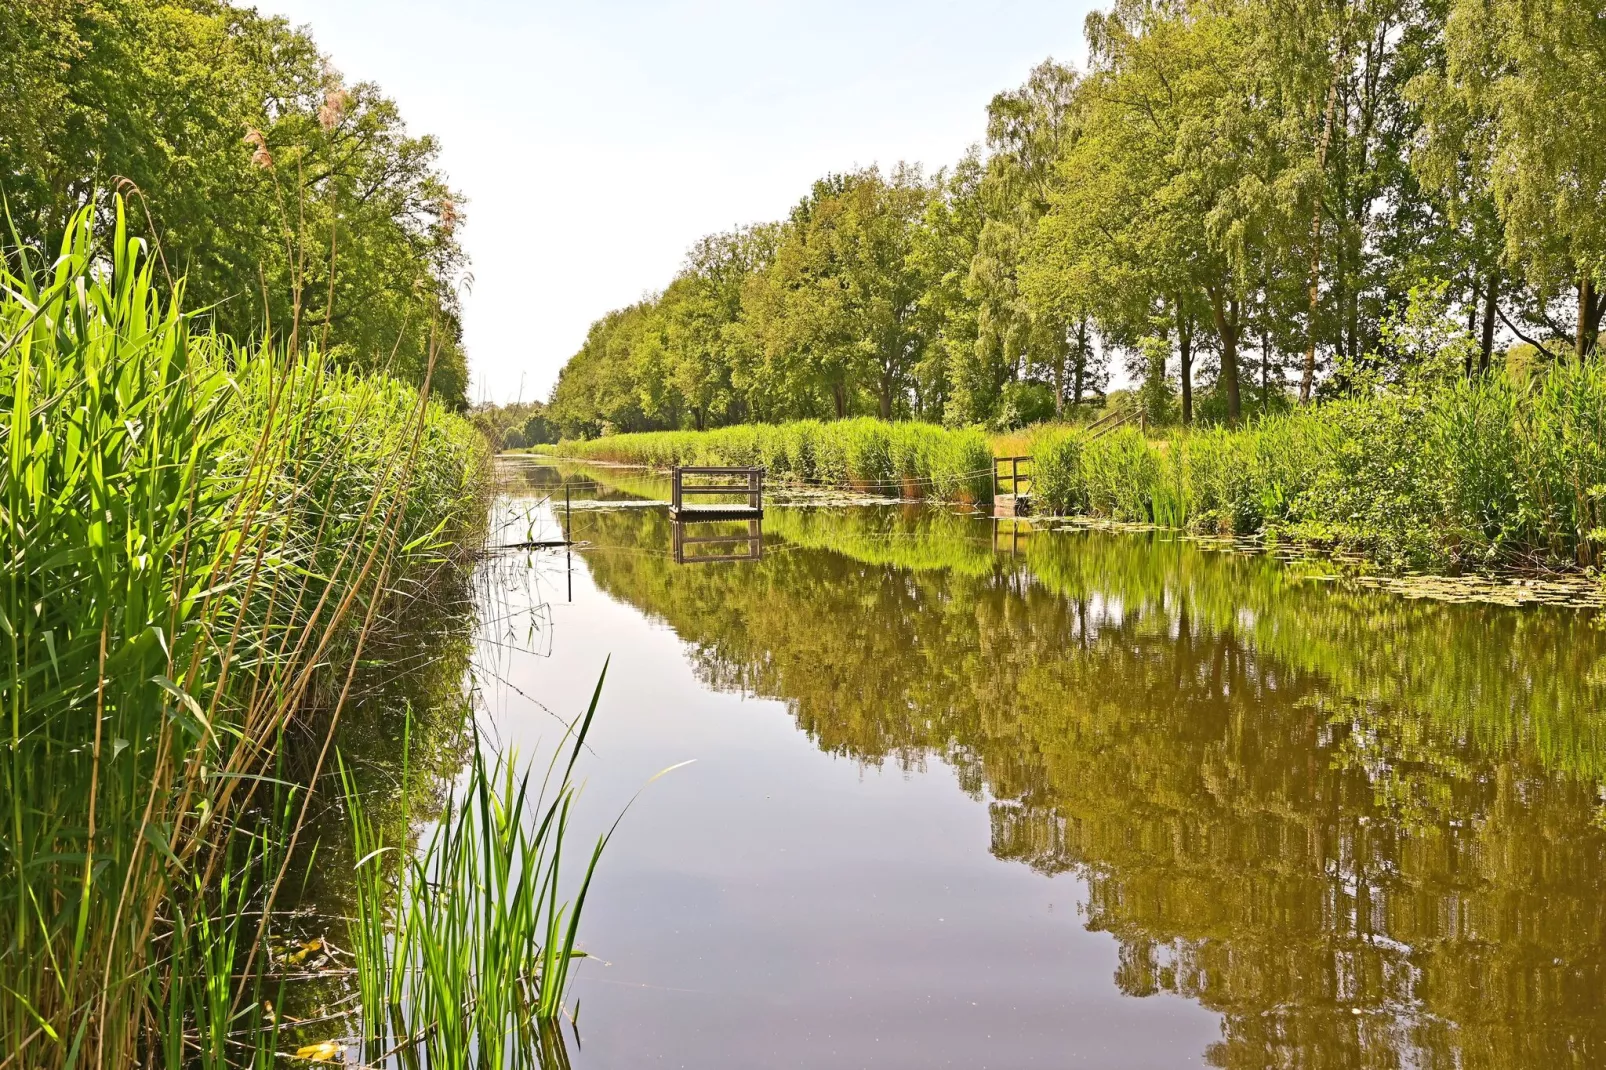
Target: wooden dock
x,y
747,483
1009,497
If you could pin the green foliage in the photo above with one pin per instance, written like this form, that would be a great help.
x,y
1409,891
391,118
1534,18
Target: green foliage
x,y
511,427
1453,473
464,949
1058,482
295,204
194,532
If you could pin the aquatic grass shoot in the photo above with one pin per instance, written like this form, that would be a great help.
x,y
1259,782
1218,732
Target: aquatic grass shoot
x,y
465,948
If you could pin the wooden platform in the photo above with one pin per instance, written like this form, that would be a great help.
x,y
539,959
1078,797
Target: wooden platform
x,y
717,482
686,513
729,482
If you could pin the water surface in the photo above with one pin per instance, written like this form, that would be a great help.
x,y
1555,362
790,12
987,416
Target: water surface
x,y
1067,799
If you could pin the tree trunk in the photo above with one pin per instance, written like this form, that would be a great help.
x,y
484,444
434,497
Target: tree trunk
x,y
1308,380
1225,312
1185,355
1265,340
1081,361
1491,301
1590,306
1061,355
839,398
884,397
1265,372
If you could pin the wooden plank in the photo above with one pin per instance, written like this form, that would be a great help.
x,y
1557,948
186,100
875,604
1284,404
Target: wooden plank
x,y
687,513
715,470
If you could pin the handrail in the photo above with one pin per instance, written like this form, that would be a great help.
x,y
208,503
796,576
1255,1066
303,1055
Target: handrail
x,y
752,486
1014,477
1112,421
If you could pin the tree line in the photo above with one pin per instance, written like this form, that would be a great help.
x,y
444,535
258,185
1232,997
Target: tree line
x,y
1246,204
293,204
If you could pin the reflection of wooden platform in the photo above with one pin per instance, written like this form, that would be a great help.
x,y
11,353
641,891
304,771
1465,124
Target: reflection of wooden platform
x,y
736,547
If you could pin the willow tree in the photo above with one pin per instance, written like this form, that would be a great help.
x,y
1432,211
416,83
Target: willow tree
x,y
1028,131
1169,195
836,313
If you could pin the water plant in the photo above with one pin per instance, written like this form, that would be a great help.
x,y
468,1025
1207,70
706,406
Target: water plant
x,y
1448,474
464,947
199,539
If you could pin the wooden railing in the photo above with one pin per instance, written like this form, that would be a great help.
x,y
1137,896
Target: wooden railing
x,y
747,482
1014,477
1114,419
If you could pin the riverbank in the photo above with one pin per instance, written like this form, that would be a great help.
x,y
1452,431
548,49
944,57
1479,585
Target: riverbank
x,y
204,540
912,460
1459,475
1462,475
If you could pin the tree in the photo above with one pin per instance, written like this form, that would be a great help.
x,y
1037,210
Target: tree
x,y
1527,74
942,249
1028,131
837,311
292,203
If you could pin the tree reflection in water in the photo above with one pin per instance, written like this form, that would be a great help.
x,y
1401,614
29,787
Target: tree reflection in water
x,y
1366,830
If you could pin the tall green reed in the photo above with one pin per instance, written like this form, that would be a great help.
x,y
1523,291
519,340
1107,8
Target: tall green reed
x,y
195,535
908,459
1458,473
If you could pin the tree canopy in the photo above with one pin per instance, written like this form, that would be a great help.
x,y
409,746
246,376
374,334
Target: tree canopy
x,y
294,205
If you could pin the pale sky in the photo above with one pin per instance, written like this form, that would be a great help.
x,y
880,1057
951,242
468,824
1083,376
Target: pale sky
x,y
597,141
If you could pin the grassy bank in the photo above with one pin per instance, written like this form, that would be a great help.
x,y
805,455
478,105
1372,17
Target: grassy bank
x,y
1449,474
1478,473
200,538
874,456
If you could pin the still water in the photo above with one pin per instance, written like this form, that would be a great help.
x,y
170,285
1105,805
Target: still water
x,y
1070,799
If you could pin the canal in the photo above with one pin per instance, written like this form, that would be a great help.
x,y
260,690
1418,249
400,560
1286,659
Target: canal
x,y
1062,798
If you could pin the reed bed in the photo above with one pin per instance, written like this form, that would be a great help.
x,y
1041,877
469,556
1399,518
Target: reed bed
x,y
198,537
907,460
1454,474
